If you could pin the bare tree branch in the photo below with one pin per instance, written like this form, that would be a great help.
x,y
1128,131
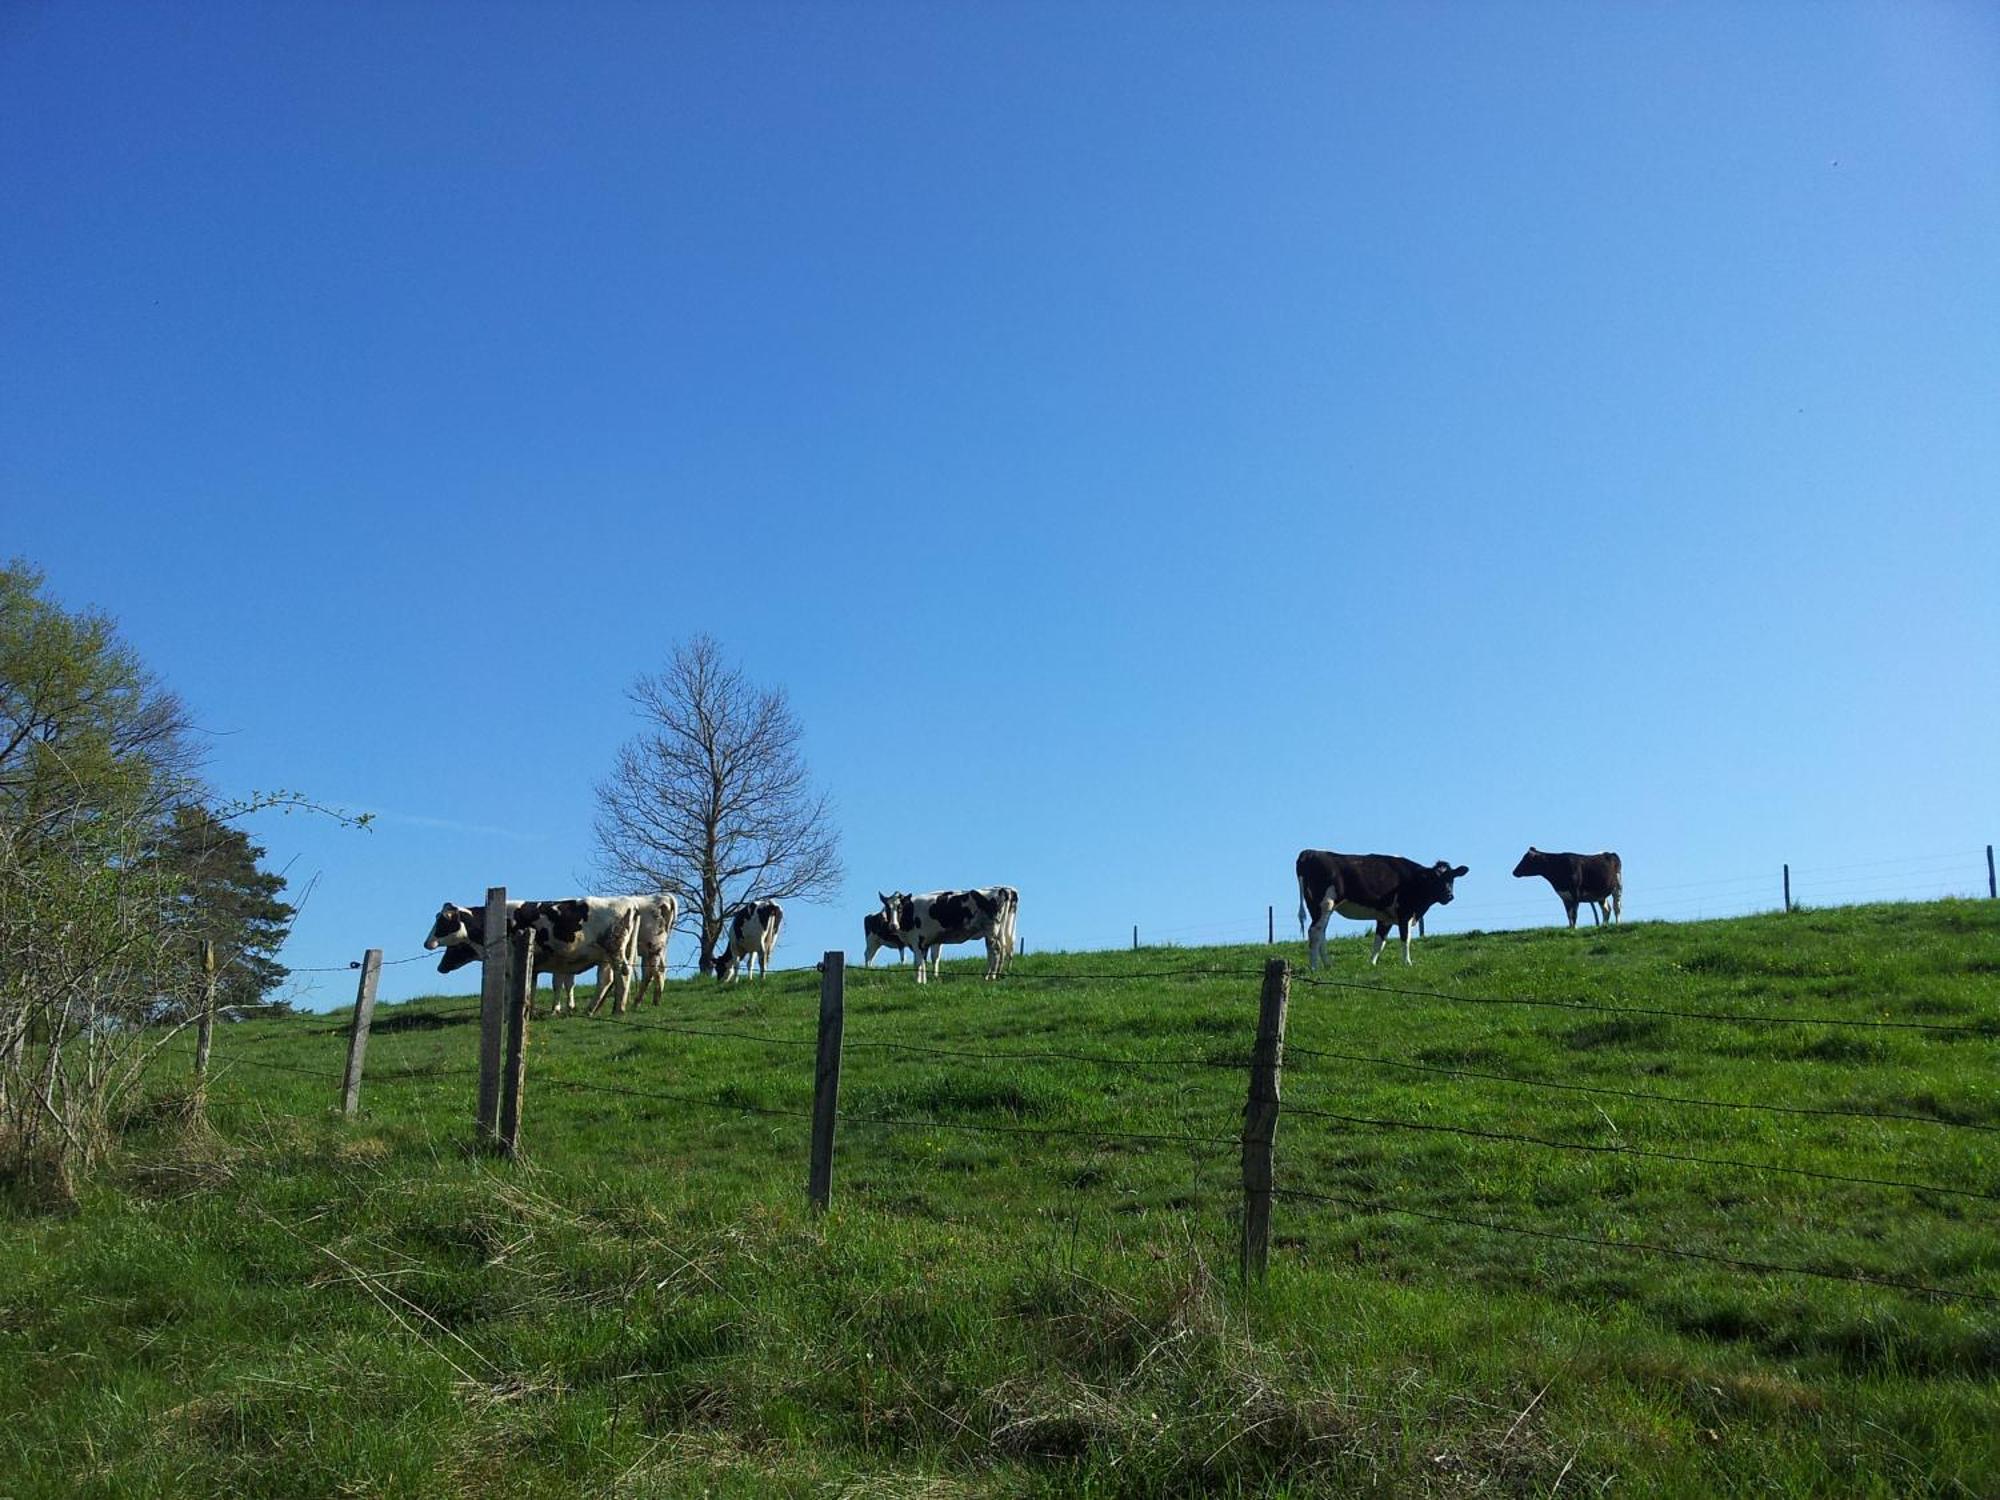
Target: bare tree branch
x,y
712,799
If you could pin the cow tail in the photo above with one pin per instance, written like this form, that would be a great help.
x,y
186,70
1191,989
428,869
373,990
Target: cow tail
x,y
1302,905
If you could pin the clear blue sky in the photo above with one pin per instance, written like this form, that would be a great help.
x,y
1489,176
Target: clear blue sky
x,y
1144,438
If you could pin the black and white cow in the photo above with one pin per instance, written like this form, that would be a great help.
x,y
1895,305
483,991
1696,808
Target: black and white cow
x,y
1596,878
1385,889
878,934
607,933
748,931
924,924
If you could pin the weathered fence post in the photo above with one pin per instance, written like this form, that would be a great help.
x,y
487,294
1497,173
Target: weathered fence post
x,y
204,1037
1992,887
492,1010
1260,1116
357,1034
520,1006
826,1076
1788,887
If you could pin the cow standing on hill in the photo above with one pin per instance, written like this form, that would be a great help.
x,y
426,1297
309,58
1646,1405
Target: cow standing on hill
x,y
1385,889
606,933
748,931
925,923
877,934
1596,878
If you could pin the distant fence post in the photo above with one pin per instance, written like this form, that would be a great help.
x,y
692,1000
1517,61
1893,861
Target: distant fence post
x,y
1270,926
1135,937
1260,1116
1992,887
520,1006
357,1034
826,1077
205,1028
1788,887
492,1010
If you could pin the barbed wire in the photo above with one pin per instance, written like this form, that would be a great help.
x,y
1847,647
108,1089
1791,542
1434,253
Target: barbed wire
x,y
1588,1088
1100,1059
1985,1029
1602,1148
846,1118
1635,1246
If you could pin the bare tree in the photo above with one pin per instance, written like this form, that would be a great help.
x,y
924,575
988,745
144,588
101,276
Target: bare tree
x,y
712,800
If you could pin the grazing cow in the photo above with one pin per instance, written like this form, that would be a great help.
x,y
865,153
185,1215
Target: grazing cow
x,y
606,933
879,934
748,931
1596,878
1386,889
925,923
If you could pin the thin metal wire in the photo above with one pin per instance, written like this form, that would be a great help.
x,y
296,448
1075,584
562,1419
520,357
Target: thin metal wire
x,y
1587,1088
1989,1029
1635,1246
1601,1148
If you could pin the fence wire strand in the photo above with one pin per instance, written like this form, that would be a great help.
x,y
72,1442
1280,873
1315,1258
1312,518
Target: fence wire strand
x,y
1603,1149
1635,1246
1519,1081
1986,1029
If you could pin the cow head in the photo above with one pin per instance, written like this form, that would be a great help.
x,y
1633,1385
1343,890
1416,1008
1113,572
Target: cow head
x,y
1446,874
896,910
454,925
1531,862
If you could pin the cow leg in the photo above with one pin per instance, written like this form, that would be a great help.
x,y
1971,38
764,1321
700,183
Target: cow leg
x,y
1569,906
1381,937
992,958
1406,940
1316,941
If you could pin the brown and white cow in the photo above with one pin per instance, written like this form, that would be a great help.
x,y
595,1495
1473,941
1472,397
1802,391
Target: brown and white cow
x,y
1385,889
749,931
924,924
1596,878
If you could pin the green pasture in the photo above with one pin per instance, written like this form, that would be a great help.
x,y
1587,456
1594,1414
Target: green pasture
x,y
1027,1284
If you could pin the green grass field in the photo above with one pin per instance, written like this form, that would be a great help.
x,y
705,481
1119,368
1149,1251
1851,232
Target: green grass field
x,y
1002,1303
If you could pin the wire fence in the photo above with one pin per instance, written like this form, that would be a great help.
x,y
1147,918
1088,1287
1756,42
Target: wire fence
x,y
1317,1064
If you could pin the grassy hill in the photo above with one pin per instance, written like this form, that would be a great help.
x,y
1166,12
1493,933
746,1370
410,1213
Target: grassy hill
x,y
1027,1284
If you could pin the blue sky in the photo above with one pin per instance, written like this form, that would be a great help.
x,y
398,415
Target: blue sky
x,y
1144,439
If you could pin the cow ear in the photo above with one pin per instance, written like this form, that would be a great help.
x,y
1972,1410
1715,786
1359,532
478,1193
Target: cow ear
x,y
882,898
1462,869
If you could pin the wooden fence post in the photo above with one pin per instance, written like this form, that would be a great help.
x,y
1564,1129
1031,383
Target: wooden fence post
x,y
1260,1116
205,1029
1270,926
492,1010
357,1034
1788,887
1992,887
520,1006
1135,937
826,1077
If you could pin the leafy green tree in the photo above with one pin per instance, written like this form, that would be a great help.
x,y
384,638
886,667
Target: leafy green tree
x,y
89,739
222,895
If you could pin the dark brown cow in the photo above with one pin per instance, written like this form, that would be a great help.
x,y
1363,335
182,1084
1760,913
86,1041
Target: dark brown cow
x,y
1596,878
1385,889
